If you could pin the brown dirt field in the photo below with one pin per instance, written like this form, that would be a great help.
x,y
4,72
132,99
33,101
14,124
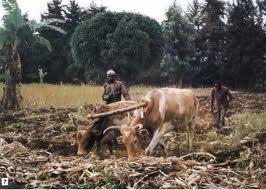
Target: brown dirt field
x,y
38,149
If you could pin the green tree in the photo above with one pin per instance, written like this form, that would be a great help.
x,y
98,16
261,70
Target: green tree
x,y
57,59
210,42
194,14
179,48
93,10
59,63
246,48
130,43
30,54
73,17
11,38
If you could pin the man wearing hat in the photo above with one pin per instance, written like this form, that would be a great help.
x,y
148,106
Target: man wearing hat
x,y
222,96
113,89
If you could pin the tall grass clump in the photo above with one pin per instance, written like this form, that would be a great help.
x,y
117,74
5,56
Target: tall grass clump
x,y
249,122
38,95
245,126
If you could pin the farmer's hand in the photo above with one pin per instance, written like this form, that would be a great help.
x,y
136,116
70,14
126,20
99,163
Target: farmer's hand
x,y
106,97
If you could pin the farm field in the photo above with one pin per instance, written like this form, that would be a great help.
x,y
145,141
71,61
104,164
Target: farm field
x,y
38,146
71,96
55,56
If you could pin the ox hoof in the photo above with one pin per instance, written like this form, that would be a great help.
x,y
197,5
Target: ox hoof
x,y
80,154
131,159
148,152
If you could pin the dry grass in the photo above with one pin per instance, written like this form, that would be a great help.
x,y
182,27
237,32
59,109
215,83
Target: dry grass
x,y
254,120
249,123
244,128
62,96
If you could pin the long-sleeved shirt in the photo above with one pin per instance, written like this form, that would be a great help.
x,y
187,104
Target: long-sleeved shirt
x,y
222,96
113,91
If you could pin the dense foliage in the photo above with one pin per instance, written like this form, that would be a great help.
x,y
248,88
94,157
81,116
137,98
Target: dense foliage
x,y
246,48
58,62
15,34
179,47
127,42
226,43
212,40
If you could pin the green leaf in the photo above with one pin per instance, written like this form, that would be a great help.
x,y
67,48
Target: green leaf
x,y
52,20
46,23
36,26
43,41
8,5
12,19
55,28
12,10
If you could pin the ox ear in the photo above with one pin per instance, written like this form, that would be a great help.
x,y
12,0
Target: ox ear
x,y
143,132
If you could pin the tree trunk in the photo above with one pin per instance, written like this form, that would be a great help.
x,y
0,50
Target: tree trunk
x,y
11,95
179,83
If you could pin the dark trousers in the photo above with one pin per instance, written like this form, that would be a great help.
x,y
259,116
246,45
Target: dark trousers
x,y
221,115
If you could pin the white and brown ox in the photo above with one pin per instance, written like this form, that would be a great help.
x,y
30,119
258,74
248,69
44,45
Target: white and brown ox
x,y
88,135
167,109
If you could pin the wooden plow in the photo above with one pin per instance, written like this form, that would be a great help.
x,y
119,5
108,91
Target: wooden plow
x,y
119,111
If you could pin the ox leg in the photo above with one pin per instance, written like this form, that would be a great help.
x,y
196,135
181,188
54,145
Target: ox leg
x,y
107,139
99,149
190,134
110,146
155,140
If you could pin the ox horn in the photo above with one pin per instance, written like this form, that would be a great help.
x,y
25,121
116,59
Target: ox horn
x,y
111,127
119,111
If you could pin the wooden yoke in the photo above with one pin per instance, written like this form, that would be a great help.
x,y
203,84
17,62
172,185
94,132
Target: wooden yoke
x,y
123,110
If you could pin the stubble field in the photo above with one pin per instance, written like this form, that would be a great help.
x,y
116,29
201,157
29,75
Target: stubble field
x,y
38,146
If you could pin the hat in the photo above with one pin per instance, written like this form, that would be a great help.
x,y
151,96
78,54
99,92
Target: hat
x,y
110,72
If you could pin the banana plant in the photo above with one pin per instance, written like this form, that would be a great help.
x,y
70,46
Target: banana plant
x,y
10,39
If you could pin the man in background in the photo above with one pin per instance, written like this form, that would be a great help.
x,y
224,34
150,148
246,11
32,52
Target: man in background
x,y
113,89
222,96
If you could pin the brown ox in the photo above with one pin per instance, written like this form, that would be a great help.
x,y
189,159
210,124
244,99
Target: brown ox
x,y
92,134
167,109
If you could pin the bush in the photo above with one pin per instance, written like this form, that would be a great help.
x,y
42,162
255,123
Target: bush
x,y
126,42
